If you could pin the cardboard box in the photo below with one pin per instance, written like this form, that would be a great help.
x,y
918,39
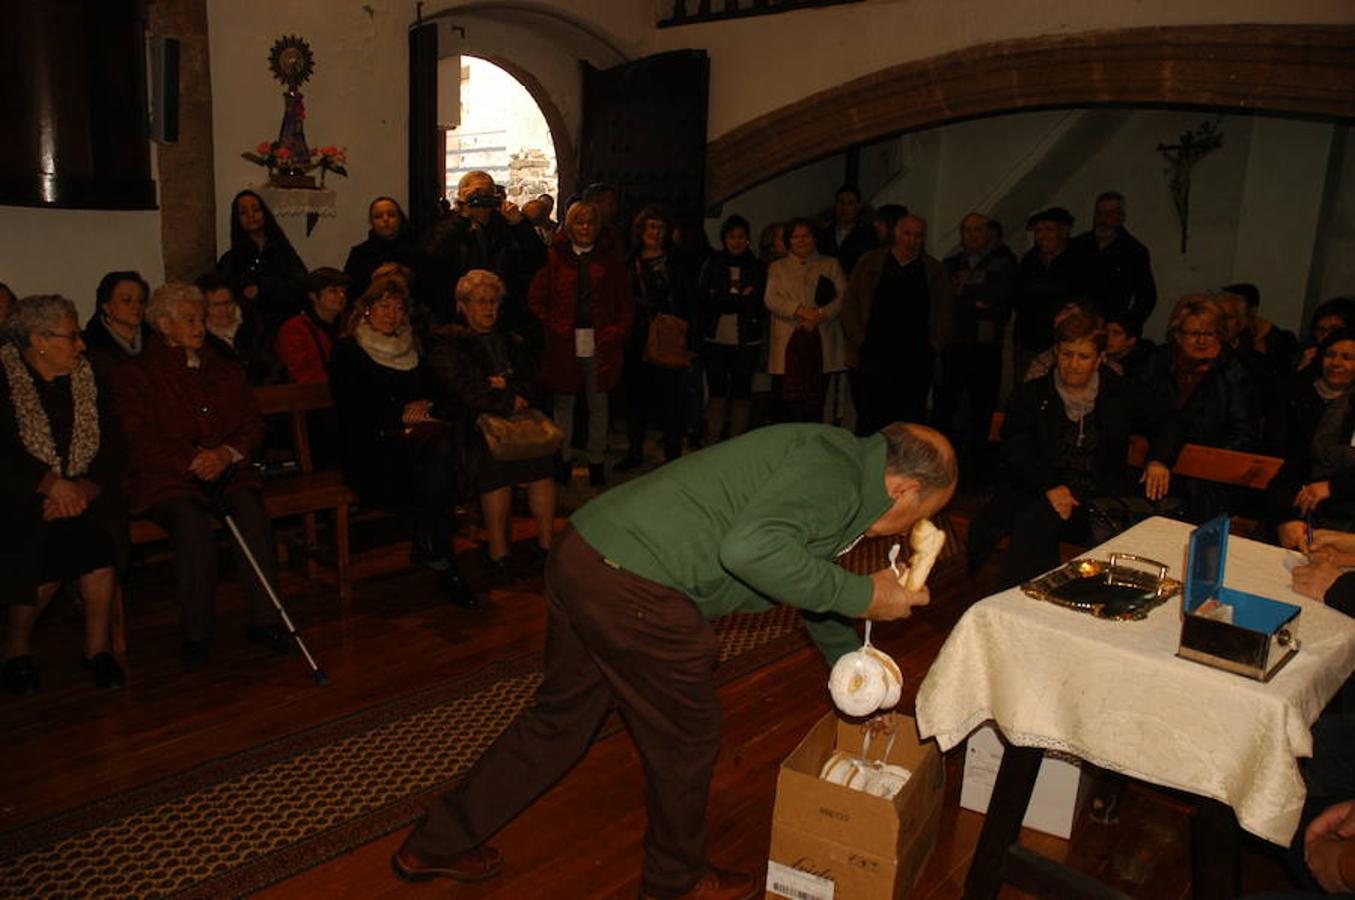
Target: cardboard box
x,y
833,843
1246,634
1060,788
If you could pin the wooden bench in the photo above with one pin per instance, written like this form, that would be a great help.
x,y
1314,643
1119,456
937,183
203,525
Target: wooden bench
x,y
303,493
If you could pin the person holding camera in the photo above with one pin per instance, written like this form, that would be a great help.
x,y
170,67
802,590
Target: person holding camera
x,y
484,231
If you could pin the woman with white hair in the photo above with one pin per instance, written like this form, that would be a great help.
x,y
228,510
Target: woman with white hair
x,y
58,464
484,369
191,428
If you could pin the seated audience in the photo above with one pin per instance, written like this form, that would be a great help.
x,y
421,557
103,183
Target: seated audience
x,y
192,427
733,320
397,450
1126,346
662,282
390,239
264,272
1330,315
804,294
485,370
7,301
1276,349
583,298
230,333
1043,362
1065,443
59,462
117,330
1208,395
1316,484
306,340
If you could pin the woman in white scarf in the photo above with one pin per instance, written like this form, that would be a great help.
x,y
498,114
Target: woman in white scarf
x,y
52,423
399,450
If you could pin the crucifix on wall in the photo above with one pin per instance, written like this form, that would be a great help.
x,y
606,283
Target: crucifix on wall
x,y
1182,156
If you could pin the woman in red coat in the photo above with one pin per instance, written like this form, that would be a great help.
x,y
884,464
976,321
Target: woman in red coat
x,y
583,296
191,426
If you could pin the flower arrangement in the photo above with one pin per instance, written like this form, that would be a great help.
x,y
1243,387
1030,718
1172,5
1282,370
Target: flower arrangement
x,y
276,156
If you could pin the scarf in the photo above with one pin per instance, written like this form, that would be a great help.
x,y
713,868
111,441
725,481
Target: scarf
x,y
1077,402
1326,391
394,351
35,431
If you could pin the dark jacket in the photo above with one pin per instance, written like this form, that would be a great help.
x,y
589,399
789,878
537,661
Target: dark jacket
x,y
1219,413
860,298
982,294
369,398
859,240
1119,276
453,246
103,350
276,270
251,349
1041,291
715,299
553,298
169,411
1311,422
371,254
1035,423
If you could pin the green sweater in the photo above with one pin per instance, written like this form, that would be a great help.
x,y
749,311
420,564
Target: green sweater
x,y
751,522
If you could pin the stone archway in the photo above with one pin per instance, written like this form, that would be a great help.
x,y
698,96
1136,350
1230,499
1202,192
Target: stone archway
x,y
566,159
1293,69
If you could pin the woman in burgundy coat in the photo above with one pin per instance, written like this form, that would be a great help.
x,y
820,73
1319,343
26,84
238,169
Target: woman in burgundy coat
x,y
583,296
191,427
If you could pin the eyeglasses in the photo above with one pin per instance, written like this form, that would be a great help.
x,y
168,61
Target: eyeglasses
x,y
1200,335
71,336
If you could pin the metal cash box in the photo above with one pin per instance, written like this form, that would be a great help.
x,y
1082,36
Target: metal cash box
x,y
1229,629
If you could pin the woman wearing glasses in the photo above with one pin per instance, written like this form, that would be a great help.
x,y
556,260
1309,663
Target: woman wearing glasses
x,y
53,435
1207,391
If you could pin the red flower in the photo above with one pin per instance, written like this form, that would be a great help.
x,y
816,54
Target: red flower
x,y
263,148
329,151
283,153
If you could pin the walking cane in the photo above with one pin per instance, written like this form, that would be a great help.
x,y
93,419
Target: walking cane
x,y
216,491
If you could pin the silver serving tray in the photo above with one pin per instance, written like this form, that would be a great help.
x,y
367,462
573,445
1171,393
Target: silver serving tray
x,y
1106,589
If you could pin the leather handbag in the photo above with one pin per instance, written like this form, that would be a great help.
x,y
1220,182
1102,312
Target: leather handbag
x,y
666,342
525,435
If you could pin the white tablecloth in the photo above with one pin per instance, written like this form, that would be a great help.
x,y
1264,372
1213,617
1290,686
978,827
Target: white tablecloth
x,y
298,201
1114,693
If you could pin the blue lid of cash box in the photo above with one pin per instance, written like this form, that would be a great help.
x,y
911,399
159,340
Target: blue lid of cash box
x,y
1204,562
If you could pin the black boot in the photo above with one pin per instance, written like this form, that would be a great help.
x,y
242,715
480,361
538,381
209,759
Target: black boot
x,y
424,553
105,669
457,591
20,675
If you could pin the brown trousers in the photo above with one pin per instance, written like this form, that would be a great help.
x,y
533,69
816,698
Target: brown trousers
x,y
613,638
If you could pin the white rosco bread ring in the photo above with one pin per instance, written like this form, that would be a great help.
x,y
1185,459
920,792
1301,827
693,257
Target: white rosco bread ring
x,y
926,540
886,781
838,768
893,676
858,683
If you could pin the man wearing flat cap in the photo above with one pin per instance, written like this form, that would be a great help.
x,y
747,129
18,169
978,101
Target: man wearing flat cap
x,y
1050,276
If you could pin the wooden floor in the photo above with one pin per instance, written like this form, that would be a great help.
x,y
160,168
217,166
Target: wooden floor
x,y
71,744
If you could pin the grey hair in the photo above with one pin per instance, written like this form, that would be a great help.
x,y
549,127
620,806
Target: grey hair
x,y
37,313
910,453
475,281
167,299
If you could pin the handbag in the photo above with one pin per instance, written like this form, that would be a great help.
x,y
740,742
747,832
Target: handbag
x,y
524,435
666,342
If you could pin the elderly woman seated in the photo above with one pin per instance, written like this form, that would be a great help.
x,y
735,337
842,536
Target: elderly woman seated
x,y
1065,442
54,433
485,370
397,449
191,428
1316,484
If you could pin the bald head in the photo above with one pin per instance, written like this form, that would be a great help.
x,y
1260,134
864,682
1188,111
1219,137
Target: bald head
x,y
920,476
910,235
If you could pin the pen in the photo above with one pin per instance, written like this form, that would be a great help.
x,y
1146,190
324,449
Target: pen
x,y
1308,524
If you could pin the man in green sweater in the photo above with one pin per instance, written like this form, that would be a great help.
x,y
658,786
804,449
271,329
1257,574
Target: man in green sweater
x,y
630,586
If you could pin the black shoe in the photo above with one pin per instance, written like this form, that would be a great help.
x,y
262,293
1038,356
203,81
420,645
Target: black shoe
x,y
195,655
458,592
597,474
272,637
107,673
499,571
422,553
633,460
20,675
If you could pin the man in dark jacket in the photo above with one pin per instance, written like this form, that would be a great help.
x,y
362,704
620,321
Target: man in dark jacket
x,y
740,526
982,279
484,232
848,237
1119,271
1050,276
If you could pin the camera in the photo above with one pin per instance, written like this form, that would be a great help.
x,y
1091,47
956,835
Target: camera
x,y
484,201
